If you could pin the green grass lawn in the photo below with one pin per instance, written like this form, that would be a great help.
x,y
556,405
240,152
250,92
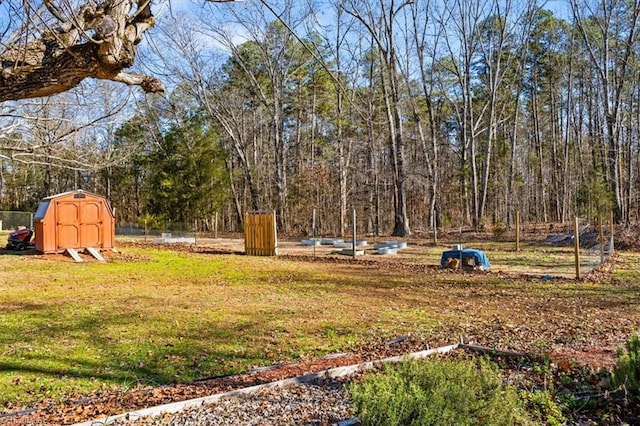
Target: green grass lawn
x,y
153,316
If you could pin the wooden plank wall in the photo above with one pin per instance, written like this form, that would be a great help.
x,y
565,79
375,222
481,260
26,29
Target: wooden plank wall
x,y
260,235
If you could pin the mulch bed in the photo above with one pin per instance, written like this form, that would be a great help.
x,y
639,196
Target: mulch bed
x,y
107,403
564,374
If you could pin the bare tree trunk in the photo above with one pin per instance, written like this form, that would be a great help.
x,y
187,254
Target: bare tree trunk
x,y
420,28
510,196
381,29
343,160
602,54
280,152
564,210
555,163
540,187
236,198
460,19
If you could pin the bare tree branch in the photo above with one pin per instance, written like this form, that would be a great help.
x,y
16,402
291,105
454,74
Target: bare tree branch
x,y
90,40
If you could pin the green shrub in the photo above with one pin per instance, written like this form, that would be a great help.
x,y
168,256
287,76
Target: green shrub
x,y
627,371
543,408
499,230
438,393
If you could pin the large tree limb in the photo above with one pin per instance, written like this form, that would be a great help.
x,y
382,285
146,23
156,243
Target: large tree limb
x,y
149,84
65,70
97,40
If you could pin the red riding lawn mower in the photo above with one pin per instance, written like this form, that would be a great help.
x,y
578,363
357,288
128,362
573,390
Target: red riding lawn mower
x,y
20,239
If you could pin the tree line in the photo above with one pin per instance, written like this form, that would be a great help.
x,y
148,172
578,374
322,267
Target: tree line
x,y
417,114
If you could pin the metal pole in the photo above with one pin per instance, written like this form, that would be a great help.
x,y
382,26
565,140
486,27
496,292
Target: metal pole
x,y
576,242
313,231
611,240
461,247
353,219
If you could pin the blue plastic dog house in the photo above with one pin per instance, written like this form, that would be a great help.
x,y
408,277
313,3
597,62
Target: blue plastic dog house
x,y
471,258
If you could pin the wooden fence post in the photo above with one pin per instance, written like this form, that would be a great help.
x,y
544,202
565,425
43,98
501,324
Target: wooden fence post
x,y
313,231
353,219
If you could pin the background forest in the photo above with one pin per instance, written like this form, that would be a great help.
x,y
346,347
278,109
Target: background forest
x,y
414,113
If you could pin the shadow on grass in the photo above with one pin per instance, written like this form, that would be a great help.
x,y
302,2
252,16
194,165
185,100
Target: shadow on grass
x,y
426,289
28,252
61,346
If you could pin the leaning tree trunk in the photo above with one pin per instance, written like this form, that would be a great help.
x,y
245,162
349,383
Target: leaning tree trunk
x,y
396,144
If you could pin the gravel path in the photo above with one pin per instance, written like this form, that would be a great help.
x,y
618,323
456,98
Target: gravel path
x,y
318,403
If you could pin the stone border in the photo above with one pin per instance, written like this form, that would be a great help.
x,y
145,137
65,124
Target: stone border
x,y
212,399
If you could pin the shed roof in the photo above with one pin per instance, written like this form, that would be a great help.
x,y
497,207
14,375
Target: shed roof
x,y
75,191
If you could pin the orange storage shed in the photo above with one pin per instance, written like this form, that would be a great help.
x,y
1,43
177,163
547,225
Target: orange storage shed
x,y
75,220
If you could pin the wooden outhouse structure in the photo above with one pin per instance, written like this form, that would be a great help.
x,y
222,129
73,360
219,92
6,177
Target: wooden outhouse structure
x,y
74,220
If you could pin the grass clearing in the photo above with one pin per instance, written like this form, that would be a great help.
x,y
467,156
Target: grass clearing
x,y
155,316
